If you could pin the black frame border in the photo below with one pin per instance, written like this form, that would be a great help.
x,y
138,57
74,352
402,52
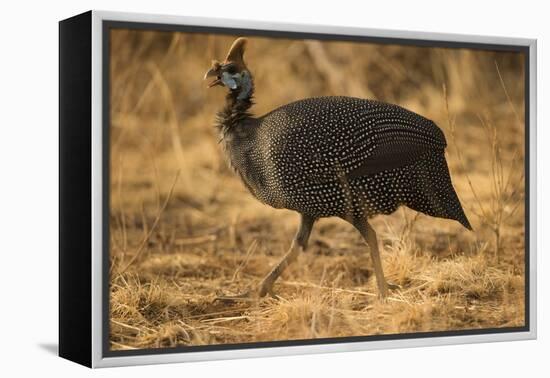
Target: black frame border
x,y
108,25
75,192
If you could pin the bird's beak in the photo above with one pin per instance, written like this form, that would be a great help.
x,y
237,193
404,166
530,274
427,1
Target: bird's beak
x,y
213,73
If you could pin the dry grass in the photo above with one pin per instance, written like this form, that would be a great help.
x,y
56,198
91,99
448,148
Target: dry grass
x,y
183,228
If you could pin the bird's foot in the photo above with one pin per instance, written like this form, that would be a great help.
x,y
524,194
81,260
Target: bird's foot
x,y
267,288
383,291
392,286
251,295
247,296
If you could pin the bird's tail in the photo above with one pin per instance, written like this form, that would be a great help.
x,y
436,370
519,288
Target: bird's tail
x,y
439,196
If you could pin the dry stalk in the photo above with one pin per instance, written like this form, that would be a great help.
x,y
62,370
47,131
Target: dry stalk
x,y
121,208
338,290
196,240
505,187
249,253
338,82
166,92
153,227
510,103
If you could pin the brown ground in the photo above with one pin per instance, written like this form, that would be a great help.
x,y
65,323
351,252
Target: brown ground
x,y
184,229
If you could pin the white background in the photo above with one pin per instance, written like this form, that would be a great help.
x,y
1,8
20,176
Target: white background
x,y
29,215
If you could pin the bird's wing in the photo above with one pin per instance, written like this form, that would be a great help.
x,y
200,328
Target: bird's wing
x,y
335,138
396,142
375,138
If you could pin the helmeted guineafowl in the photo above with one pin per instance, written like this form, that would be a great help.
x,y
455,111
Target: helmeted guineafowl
x,y
333,156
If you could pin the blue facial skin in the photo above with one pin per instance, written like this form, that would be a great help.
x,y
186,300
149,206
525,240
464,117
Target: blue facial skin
x,y
229,80
237,80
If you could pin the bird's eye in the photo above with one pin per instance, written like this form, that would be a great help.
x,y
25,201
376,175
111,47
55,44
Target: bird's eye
x,y
230,68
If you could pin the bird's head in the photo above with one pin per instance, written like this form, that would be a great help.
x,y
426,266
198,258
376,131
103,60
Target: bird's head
x,y
232,72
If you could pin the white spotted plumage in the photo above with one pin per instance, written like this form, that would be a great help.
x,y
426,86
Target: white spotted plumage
x,y
305,156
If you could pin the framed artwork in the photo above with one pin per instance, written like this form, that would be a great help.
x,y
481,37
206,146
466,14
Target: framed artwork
x,y
232,189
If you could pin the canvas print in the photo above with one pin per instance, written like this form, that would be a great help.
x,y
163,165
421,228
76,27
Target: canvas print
x,y
268,189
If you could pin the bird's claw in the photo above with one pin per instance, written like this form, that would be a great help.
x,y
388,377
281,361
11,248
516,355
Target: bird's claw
x,y
392,286
383,291
247,296
267,289
250,295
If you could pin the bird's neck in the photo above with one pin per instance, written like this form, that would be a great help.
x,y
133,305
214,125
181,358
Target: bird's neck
x,y
236,109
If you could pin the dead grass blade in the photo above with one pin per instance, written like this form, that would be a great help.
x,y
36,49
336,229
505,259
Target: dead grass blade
x,y
249,253
338,290
153,227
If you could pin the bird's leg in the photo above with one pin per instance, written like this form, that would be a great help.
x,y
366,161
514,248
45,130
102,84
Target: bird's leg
x,y
266,287
369,235
298,244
